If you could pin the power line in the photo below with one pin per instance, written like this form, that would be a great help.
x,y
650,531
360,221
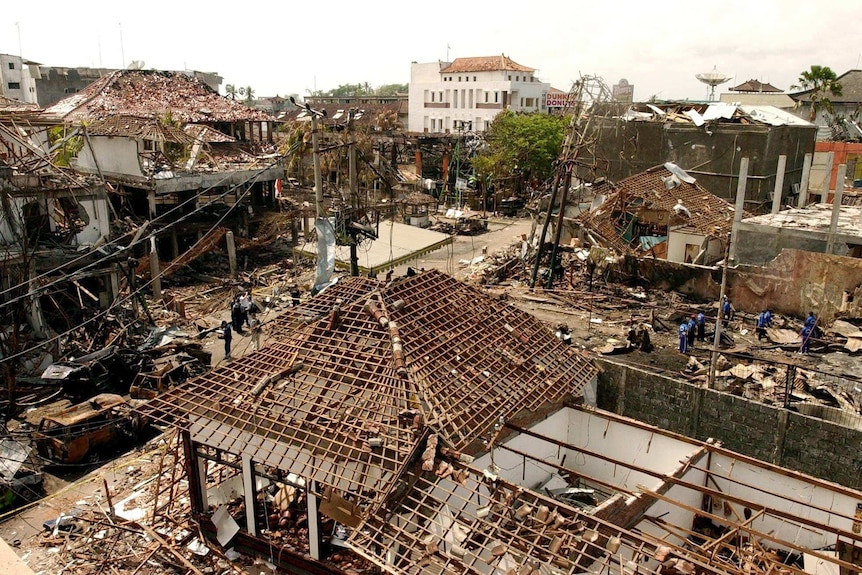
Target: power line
x,y
126,299
100,249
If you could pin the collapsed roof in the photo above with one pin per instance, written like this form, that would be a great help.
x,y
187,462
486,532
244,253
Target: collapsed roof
x,y
362,375
700,114
151,92
660,198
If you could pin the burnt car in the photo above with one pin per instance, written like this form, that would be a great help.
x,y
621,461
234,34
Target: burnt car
x,y
84,431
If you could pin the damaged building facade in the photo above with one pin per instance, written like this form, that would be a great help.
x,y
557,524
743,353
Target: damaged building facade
x,y
706,140
663,212
53,219
169,145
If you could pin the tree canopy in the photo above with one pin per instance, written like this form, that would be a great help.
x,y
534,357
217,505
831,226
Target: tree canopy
x,y
522,145
823,83
361,89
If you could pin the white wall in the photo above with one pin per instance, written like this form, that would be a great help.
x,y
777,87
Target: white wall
x,y
800,495
96,208
676,241
114,155
463,96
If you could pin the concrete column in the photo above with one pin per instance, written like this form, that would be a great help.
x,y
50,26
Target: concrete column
x,y
231,253
779,184
35,317
114,282
803,184
836,208
827,181
314,527
175,244
151,201
155,271
248,494
740,204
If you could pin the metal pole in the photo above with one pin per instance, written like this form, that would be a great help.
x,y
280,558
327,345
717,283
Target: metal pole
x,y
558,232
354,193
318,179
545,228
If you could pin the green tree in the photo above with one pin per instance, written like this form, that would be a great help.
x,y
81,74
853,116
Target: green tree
x,y
249,95
521,145
231,91
66,145
822,83
392,89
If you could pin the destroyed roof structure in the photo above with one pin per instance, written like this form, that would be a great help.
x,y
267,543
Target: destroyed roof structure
x,y
381,425
382,117
146,92
664,212
365,383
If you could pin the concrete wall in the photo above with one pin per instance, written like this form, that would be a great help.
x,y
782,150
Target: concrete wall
x,y
711,155
117,156
797,281
816,447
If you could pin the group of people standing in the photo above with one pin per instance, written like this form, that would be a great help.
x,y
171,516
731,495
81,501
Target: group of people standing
x,y
691,329
243,312
695,327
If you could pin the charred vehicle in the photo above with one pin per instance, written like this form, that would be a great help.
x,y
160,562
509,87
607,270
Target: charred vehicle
x,y
84,431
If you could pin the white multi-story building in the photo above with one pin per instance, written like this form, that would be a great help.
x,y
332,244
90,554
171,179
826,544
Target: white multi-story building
x,y
16,81
468,92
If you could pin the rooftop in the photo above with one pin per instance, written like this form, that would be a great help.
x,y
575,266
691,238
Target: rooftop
x,y
151,92
755,86
484,64
658,189
360,370
814,218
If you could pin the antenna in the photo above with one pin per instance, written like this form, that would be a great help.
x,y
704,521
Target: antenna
x,y
712,79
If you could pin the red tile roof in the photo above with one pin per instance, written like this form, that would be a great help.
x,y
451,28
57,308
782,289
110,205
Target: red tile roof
x,y
151,93
484,64
647,190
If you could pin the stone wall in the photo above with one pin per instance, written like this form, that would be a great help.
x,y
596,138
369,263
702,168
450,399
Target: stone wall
x,y
786,438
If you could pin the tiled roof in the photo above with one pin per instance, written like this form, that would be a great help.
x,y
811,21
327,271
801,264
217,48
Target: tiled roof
x,y
334,377
138,128
484,64
367,114
206,134
647,190
150,92
755,86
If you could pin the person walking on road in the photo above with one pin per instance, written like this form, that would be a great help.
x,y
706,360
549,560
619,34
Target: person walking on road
x,y
227,335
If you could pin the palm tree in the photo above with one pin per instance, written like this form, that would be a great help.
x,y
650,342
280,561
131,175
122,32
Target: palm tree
x,y
822,82
230,90
249,95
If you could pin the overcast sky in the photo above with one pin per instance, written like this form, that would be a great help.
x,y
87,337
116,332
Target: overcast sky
x,y
280,48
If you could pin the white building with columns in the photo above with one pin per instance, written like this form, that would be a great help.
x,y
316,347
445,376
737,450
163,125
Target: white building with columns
x,y
469,92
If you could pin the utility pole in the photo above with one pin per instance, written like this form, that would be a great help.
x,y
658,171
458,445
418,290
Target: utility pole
x,y
354,191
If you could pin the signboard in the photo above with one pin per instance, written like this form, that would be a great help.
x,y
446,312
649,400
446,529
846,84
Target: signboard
x,y
623,91
559,99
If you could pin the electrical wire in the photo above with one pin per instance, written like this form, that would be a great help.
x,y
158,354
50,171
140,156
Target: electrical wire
x,y
101,247
126,299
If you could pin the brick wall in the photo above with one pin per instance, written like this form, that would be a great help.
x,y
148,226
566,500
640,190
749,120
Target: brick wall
x,y
813,446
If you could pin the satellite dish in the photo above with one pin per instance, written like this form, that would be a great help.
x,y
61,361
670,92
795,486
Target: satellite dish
x,y
712,79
